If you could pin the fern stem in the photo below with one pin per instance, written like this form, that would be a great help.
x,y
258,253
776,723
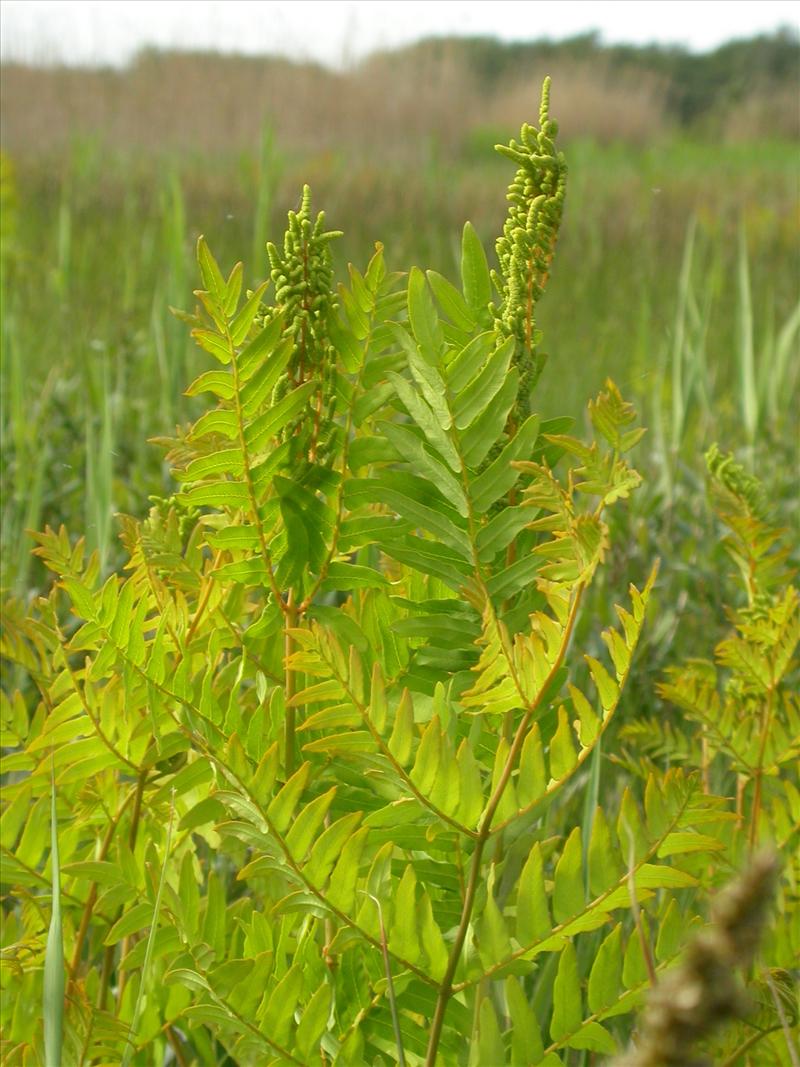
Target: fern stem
x,y
91,899
556,930
704,761
766,720
786,1026
484,831
137,809
175,1045
741,785
132,837
201,607
736,1058
636,911
102,992
446,986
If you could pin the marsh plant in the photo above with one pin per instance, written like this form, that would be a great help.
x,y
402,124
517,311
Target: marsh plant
x,y
322,776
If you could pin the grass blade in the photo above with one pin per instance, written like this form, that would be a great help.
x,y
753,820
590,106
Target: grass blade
x,y
151,937
53,995
591,800
784,371
398,1036
268,173
100,473
679,391
747,372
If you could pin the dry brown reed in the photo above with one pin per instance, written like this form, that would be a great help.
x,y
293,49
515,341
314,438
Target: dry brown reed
x,y
396,105
766,111
591,100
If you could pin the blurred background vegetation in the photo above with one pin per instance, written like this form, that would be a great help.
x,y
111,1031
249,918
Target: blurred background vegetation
x,y
677,271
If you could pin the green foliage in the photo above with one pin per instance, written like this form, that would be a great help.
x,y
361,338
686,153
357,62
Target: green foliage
x,y
321,746
84,387
704,992
745,710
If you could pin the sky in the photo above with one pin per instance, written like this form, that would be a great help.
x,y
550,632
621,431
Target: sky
x,y
339,32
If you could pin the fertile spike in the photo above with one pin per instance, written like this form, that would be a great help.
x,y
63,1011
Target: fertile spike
x,y
526,247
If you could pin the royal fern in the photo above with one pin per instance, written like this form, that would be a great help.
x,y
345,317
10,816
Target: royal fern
x,y
320,749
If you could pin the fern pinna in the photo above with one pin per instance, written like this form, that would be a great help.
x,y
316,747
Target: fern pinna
x,y
319,751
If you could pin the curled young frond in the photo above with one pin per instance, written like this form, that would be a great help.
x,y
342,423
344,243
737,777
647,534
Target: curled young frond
x,y
755,543
742,492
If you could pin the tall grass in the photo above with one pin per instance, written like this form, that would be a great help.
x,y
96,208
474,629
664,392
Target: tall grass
x,y
24,433
100,471
267,177
94,364
749,397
